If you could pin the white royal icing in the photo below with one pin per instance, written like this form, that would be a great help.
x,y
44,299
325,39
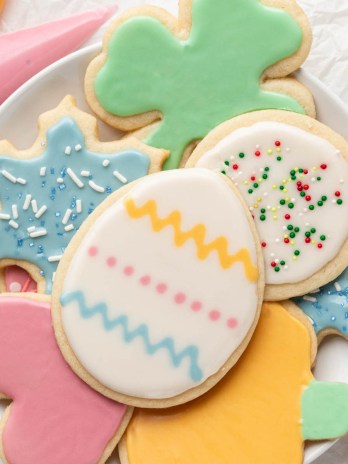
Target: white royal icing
x,y
289,258
167,319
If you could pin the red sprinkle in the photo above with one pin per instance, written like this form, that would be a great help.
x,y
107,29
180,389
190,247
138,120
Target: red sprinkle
x,y
257,153
264,244
287,216
252,177
307,240
300,188
305,171
306,187
323,166
299,183
277,144
235,167
273,264
308,197
337,194
286,240
320,245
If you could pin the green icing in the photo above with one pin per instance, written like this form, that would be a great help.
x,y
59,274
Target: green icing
x,y
203,81
324,410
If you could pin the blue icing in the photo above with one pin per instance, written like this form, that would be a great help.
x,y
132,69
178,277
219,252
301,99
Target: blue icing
x,y
191,352
328,308
57,195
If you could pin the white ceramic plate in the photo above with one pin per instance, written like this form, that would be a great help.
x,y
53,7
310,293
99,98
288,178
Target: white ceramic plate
x,y
18,123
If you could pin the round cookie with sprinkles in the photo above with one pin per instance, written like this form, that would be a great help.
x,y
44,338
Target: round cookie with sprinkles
x,y
163,285
293,173
327,307
48,190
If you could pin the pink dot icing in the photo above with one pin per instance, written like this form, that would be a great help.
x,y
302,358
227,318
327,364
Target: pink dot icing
x,y
111,261
128,270
214,315
196,306
145,280
93,251
232,322
180,298
161,288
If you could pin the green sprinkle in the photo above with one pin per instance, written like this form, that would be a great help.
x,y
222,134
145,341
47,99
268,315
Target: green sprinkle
x,y
290,227
227,163
256,185
241,155
320,203
250,191
262,217
223,172
311,207
307,234
293,177
263,210
266,168
279,158
324,198
264,176
319,179
277,269
339,201
282,262
297,252
282,202
282,187
292,235
292,172
322,237
297,229
291,205
313,230
302,194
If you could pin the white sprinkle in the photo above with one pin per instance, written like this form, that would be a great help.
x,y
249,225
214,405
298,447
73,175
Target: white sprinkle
x,y
79,206
27,202
317,290
96,187
287,149
38,233
120,177
15,211
74,178
286,267
258,146
78,147
305,210
313,179
265,194
13,224
31,229
277,240
34,206
276,260
54,258
41,211
42,143
53,276
333,201
284,228
307,224
268,206
309,298
60,180
85,173
43,171
15,287
9,176
22,181
232,157
67,150
341,181
69,227
106,163
251,208
272,255
337,287
5,216
66,216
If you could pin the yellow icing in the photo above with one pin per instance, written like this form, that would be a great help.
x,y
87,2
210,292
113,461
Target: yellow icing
x,y
251,417
197,234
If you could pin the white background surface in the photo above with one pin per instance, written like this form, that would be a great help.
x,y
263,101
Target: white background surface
x,y
328,61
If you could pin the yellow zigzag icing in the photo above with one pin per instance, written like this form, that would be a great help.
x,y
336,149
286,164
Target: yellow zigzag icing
x,y
197,233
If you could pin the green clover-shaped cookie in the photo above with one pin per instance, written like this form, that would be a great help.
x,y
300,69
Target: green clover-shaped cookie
x,y
218,60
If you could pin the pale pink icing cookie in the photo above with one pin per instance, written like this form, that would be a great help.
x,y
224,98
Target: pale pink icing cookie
x,y
54,417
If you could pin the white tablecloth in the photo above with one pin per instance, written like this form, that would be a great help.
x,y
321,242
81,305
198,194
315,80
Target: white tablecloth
x,y
328,61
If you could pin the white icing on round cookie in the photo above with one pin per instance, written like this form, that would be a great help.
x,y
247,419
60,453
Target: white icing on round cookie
x,y
163,288
296,186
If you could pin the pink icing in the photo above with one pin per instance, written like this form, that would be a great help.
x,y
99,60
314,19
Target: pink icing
x,y
24,53
54,417
17,279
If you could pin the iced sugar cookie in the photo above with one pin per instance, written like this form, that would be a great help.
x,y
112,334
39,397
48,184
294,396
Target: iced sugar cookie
x,y
327,307
293,173
182,71
47,191
163,285
261,412
54,417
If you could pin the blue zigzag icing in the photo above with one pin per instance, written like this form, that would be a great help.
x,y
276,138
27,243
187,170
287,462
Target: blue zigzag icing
x,y
141,331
